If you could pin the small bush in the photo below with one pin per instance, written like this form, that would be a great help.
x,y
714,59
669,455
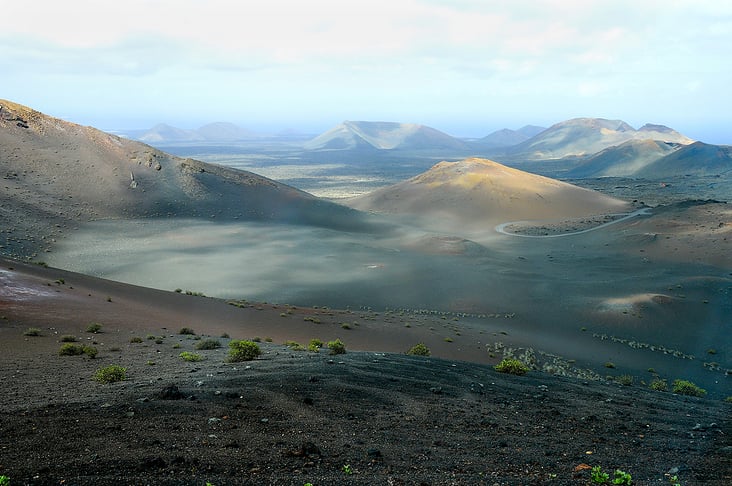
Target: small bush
x,y
625,380
110,374
208,344
187,331
32,331
658,385
68,338
512,367
315,345
337,347
94,328
4,481
71,350
419,350
683,387
136,339
243,351
192,357
345,326
90,351
225,336
176,346
610,365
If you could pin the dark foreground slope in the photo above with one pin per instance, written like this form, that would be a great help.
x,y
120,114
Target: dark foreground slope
x,y
57,175
293,417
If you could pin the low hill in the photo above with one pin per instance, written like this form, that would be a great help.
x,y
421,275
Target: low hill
x,y
624,160
651,159
586,136
698,159
475,194
57,175
352,135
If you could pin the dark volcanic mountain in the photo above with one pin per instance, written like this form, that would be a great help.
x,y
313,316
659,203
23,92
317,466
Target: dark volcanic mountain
x,y
650,159
586,136
624,160
57,174
351,135
698,159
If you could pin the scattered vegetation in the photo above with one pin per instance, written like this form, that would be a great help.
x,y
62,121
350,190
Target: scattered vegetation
x,y
347,469
337,347
315,345
187,331
192,357
598,476
448,339
224,336
68,338
610,365
90,351
4,481
419,349
136,339
32,331
346,326
512,367
208,344
243,351
110,374
94,328
683,387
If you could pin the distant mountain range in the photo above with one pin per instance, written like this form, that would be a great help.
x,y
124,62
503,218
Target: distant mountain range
x,y
352,135
507,137
212,132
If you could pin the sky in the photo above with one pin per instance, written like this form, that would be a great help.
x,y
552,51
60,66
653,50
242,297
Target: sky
x,y
466,67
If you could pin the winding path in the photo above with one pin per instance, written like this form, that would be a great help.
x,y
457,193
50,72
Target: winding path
x,y
501,228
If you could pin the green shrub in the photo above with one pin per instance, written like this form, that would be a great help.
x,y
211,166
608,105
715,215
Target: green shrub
x,y
32,331
728,399
110,374
419,349
315,345
337,347
683,387
625,380
658,384
69,349
512,367
345,326
188,356
243,351
68,338
136,339
4,481
90,351
295,346
187,331
208,344
94,328
610,365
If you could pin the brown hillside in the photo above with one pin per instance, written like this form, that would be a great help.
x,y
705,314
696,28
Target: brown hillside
x,y
58,174
475,194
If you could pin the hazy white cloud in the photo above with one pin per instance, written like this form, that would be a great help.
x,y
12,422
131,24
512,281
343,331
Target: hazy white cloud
x,y
326,60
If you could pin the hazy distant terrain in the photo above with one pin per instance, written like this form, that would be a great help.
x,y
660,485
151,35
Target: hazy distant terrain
x,y
424,240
